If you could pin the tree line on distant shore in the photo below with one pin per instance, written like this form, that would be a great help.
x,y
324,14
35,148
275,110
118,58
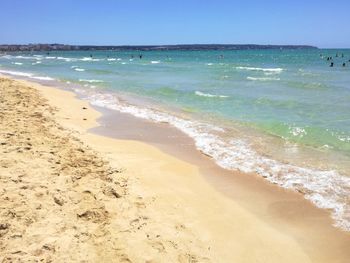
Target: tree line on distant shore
x,y
62,47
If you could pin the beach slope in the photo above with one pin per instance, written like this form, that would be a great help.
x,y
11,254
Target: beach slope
x,y
68,195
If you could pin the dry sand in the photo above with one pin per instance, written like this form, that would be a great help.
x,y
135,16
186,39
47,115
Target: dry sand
x,y
71,196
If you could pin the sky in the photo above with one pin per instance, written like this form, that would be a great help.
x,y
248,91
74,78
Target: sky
x,y
323,23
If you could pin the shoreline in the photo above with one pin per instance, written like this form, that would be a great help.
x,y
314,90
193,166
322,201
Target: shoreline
x,y
238,215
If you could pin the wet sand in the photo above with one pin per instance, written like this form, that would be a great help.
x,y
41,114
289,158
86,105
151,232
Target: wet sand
x,y
179,206
285,208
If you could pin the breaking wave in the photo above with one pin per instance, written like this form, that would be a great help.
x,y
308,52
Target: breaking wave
x,y
25,74
199,93
275,70
326,189
262,78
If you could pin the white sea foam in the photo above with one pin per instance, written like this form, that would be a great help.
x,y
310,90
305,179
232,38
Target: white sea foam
x,y
343,138
7,56
89,59
209,64
17,63
270,73
297,131
28,57
65,59
49,57
16,73
262,78
275,70
25,74
79,69
91,80
199,93
155,62
111,59
326,189
42,78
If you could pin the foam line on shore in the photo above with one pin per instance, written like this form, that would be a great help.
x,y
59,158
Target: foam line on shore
x,y
326,189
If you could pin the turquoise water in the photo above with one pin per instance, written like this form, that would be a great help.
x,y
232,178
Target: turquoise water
x,y
284,114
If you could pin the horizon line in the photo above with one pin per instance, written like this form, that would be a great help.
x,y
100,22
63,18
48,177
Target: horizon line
x,y
173,45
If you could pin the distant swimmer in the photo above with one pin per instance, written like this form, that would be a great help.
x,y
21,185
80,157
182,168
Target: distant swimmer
x,y
132,56
331,65
328,58
90,55
344,64
141,56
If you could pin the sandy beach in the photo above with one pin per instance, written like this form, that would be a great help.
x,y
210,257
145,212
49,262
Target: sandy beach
x,y
70,195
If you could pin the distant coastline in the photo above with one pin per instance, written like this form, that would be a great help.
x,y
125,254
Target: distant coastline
x,y
193,47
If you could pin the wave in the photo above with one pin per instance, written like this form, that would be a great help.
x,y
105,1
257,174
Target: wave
x,y
275,70
111,59
26,57
40,57
326,189
42,78
89,86
25,74
262,79
16,73
78,69
65,59
155,62
7,56
199,93
270,73
297,131
86,59
23,57
91,80
17,63
89,59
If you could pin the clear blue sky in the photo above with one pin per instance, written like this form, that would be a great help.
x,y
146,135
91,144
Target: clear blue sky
x,y
324,23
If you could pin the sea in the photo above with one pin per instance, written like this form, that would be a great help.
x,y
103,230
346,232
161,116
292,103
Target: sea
x,y
283,114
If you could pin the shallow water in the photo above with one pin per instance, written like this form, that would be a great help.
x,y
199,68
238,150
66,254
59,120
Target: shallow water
x,y
284,114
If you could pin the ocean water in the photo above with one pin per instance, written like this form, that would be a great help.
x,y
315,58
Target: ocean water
x,y
284,114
